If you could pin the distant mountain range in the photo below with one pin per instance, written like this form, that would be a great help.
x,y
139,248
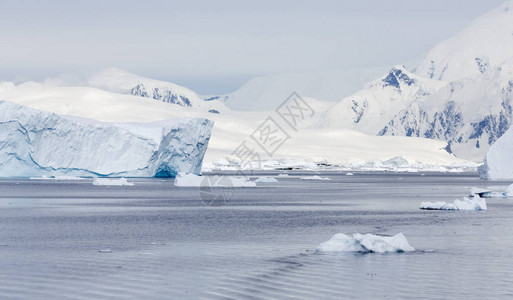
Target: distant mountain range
x,y
461,92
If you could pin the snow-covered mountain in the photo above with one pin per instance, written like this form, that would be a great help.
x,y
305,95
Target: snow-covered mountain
x,y
370,109
119,81
464,98
268,92
470,114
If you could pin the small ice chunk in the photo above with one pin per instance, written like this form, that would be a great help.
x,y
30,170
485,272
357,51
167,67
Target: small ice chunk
x,y
183,179
315,177
266,180
349,174
477,191
477,203
366,243
112,181
283,175
483,193
105,251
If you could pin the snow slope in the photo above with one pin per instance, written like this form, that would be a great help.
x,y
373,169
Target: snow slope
x,y
38,143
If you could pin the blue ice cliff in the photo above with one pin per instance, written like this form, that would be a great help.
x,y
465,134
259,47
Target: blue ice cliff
x,y
39,143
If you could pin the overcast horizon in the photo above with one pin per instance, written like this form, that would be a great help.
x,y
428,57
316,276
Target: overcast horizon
x,y
214,48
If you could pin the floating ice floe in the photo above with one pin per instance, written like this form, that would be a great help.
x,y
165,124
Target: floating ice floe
x,y
365,243
476,203
283,175
183,179
112,181
349,174
192,180
484,193
315,177
266,179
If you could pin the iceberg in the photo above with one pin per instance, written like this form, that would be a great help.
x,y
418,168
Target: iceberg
x,y
365,243
476,203
498,164
38,143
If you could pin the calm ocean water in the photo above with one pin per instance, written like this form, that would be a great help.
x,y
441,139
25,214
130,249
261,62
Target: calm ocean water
x,y
73,240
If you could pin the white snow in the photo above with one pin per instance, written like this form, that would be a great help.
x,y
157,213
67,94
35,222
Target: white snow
x,y
192,180
266,180
38,143
475,203
315,177
365,243
112,181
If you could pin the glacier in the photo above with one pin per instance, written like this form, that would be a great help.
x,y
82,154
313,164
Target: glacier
x,y
39,143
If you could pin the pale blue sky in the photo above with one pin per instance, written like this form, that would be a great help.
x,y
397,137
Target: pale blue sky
x,y
215,46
